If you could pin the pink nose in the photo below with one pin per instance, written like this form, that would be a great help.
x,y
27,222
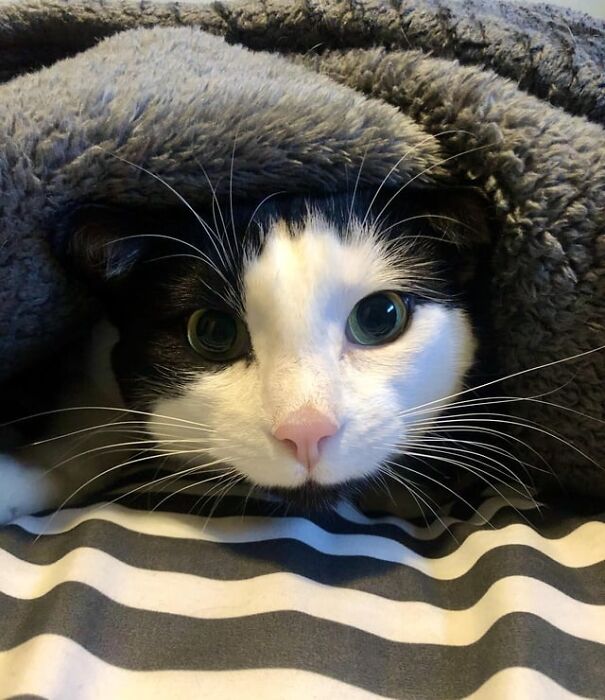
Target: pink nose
x,y
303,431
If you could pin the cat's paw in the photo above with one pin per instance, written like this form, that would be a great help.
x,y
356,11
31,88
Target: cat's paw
x,y
22,490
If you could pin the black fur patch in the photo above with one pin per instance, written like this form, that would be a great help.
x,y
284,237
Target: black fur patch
x,y
171,265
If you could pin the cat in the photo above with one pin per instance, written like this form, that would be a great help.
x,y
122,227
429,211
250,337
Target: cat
x,y
298,344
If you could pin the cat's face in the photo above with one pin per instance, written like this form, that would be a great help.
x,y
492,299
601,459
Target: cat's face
x,y
306,380
308,360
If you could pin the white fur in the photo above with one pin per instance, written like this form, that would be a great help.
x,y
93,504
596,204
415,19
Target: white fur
x,y
43,474
298,295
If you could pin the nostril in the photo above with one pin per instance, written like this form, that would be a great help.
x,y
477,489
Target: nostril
x,y
322,441
289,444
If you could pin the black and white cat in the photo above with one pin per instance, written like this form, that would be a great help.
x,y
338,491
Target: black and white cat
x,y
300,345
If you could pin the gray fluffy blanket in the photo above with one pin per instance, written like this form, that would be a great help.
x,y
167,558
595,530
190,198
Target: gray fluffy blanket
x,y
508,97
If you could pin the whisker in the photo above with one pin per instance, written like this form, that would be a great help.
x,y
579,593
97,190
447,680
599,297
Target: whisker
x,y
235,239
443,217
248,495
126,445
200,220
104,473
255,212
427,170
352,205
118,427
489,401
121,409
216,207
507,454
456,495
379,479
480,400
219,476
480,474
422,497
476,458
235,480
502,379
201,256
518,422
432,137
493,432
175,476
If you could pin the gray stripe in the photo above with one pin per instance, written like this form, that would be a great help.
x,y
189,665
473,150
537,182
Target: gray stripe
x,y
557,519
152,641
549,523
239,561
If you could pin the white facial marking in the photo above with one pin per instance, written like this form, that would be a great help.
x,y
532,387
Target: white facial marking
x,y
298,295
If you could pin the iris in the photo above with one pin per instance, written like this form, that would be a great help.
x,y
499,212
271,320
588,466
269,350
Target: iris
x,y
217,335
379,318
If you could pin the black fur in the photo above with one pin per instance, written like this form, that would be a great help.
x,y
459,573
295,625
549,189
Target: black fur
x,y
154,269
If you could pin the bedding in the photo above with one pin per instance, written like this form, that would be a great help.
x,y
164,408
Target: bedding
x,y
109,101
144,598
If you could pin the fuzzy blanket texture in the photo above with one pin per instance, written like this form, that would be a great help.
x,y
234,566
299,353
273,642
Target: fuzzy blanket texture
x,y
508,97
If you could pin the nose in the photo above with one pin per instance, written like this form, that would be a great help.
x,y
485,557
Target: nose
x,y
302,431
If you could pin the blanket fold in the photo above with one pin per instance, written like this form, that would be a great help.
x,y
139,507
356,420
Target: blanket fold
x,y
552,52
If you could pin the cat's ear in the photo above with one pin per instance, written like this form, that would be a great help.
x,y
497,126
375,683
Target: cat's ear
x,y
456,220
459,214
450,214
104,244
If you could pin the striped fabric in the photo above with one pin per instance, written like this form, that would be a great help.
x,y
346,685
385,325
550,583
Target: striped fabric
x,y
144,599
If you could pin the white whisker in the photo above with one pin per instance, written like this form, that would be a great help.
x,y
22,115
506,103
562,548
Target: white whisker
x,y
456,495
569,358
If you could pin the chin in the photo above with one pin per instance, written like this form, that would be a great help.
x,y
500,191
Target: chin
x,y
313,497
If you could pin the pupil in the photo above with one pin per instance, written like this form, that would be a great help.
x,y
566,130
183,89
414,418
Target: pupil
x,y
216,331
377,316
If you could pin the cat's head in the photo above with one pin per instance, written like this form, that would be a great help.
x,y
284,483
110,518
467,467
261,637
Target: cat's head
x,y
305,349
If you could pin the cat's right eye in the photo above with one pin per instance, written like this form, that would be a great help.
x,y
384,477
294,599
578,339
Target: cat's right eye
x,y
379,318
217,335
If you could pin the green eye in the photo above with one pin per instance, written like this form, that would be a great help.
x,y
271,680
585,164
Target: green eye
x,y
378,319
217,335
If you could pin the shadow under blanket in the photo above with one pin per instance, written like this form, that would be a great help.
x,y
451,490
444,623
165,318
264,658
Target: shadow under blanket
x,y
507,97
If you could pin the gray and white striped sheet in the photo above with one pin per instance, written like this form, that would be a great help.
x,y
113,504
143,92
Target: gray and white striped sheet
x,y
149,598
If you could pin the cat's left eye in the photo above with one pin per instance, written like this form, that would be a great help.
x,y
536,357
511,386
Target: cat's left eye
x,y
217,335
379,318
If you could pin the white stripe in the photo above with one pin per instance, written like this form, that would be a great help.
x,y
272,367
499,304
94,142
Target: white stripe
x,y
584,546
58,669
203,598
518,683
482,516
